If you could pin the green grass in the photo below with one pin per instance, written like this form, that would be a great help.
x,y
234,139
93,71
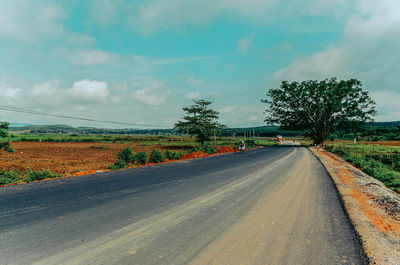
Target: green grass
x,y
12,177
380,162
144,140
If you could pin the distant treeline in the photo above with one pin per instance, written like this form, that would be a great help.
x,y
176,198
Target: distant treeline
x,y
264,131
372,132
66,129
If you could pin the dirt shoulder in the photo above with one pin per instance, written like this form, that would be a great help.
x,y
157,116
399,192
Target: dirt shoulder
x,y
373,209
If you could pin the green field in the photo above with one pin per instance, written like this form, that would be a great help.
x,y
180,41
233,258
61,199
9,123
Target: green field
x,y
145,140
379,161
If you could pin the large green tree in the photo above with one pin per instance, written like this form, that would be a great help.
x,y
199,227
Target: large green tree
x,y
200,121
318,108
5,140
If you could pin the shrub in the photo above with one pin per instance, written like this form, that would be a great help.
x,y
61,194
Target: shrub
x,y
208,149
170,155
192,150
156,156
40,175
141,158
118,164
178,155
8,177
126,155
250,143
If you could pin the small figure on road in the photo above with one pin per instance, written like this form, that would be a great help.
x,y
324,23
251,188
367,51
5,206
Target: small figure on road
x,y
242,147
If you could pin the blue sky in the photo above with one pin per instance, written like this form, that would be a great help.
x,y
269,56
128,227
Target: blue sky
x,y
142,61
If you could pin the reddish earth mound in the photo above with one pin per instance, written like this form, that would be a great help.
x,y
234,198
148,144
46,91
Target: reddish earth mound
x,y
198,154
225,149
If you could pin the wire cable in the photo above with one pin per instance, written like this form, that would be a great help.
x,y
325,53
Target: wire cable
x,y
20,110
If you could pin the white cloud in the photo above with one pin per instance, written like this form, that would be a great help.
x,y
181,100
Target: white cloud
x,y
243,44
368,50
31,20
154,94
387,104
46,89
228,109
89,57
193,95
94,91
8,92
241,115
191,80
150,15
80,108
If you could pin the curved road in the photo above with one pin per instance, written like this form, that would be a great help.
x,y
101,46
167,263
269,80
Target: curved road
x,y
274,205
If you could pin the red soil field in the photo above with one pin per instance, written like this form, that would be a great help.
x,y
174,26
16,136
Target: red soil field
x,y
67,157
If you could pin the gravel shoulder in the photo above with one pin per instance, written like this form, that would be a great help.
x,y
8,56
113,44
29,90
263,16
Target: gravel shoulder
x,y
373,209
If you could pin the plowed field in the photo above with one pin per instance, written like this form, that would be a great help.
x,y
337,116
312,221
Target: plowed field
x,y
67,157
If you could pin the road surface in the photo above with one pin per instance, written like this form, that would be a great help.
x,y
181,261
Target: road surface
x,y
273,205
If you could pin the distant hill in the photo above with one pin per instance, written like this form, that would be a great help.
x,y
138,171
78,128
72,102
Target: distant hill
x,y
264,131
66,129
16,124
386,123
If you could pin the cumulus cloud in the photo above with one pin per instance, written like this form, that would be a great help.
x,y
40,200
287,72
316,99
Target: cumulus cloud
x,y
50,93
243,44
94,91
154,94
46,89
8,92
89,57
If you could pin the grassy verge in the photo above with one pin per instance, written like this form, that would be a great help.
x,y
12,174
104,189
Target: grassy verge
x,y
380,162
16,176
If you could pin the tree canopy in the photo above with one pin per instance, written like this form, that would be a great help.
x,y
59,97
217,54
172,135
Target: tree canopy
x,y
318,108
5,141
200,121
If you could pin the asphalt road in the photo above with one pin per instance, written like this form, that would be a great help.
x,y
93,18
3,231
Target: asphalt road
x,y
274,205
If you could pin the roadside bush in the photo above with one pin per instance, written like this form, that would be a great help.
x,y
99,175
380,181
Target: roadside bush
x,y
178,155
8,177
193,149
156,156
170,155
118,164
250,143
141,158
126,155
40,175
208,149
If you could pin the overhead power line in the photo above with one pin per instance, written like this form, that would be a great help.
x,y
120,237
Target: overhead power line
x,y
20,110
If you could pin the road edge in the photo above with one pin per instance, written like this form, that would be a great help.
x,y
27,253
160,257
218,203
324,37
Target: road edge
x,y
377,244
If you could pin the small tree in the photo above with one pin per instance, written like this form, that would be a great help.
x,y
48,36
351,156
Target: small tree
x,y
200,121
318,108
5,139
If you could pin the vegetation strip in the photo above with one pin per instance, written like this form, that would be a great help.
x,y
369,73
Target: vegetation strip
x,y
382,163
373,209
